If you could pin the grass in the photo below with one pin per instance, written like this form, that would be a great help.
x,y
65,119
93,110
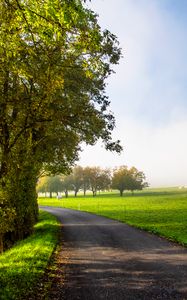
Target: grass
x,y
23,265
161,211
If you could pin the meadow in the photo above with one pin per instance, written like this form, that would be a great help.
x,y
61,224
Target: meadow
x,y
160,211
24,264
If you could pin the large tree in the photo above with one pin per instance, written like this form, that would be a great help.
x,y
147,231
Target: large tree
x,y
54,61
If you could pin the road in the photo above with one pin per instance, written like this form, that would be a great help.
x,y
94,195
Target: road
x,y
105,259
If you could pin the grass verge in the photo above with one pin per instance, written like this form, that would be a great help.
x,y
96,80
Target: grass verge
x,y
23,265
163,212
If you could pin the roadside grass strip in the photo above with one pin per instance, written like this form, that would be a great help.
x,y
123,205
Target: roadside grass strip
x,y
23,265
161,212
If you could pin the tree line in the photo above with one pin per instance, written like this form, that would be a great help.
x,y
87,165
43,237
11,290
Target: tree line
x,y
94,179
54,62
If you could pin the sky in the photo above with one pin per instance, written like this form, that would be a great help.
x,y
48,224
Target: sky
x,y
148,92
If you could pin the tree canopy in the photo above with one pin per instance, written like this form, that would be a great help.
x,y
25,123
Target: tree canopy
x,y
54,60
129,179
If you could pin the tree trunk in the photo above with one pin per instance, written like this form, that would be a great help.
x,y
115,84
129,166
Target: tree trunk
x,y
1,243
22,196
121,193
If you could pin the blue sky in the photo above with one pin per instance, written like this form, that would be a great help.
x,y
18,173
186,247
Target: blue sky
x,y
149,90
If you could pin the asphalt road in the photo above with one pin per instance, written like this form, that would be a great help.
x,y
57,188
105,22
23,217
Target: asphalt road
x,y
105,259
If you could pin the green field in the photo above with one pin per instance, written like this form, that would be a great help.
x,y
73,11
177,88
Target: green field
x,y
161,211
25,263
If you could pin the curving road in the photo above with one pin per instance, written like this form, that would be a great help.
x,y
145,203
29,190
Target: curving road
x,y
105,259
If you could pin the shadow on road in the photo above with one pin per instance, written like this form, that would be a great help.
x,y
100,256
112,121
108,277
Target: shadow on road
x,y
105,259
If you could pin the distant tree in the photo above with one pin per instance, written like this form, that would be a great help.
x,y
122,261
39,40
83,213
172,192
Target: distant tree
x,y
93,179
137,180
86,179
98,179
128,179
104,180
77,178
51,184
120,179
41,185
66,184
